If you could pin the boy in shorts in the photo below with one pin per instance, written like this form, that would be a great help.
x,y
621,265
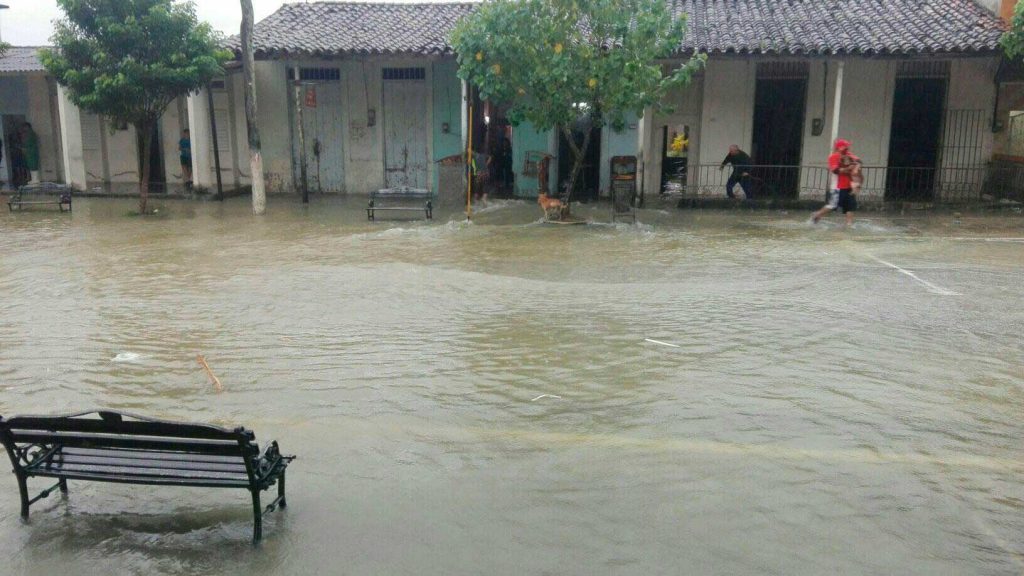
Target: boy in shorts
x,y
842,194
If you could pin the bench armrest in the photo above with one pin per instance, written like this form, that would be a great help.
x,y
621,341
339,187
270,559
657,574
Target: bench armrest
x,y
271,462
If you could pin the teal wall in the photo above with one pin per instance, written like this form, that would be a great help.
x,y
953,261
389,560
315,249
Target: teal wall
x,y
447,108
624,143
525,138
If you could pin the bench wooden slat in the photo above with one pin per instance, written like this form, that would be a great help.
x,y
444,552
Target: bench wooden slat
x,y
63,459
147,480
115,470
130,454
141,428
150,443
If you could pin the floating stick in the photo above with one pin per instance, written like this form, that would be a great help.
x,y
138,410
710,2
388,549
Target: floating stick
x,y
213,377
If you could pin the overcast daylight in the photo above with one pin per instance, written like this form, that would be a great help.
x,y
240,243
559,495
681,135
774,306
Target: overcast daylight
x,y
512,287
27,22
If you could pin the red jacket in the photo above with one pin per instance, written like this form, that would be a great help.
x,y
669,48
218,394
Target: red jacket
x,y
835,162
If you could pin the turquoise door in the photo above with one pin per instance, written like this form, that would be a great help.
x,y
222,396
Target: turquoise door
x,y
405,127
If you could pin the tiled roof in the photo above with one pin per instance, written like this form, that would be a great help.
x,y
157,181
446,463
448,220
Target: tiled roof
x,y
839,26
331,28
867,27
22,59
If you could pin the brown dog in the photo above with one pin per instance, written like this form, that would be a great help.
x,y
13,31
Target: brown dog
x,y
554,209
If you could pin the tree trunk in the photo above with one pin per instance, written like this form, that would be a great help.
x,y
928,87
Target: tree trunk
x,y
579,155
146,132
259,194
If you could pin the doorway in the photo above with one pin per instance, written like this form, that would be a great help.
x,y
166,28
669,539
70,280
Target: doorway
x,y
321,101
588,183
16,172
780,105
405,127
915,139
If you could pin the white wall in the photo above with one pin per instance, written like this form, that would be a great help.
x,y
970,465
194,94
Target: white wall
x,y
171,125
727,116
865,118
687,105
972,92
273,94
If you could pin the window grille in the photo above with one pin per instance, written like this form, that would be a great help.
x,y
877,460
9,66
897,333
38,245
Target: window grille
x,y
405,73
320,74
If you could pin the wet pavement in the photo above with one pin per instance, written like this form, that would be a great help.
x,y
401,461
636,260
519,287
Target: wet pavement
x,y
706,392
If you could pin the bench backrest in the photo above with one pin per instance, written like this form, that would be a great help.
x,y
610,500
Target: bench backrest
x,y
117,431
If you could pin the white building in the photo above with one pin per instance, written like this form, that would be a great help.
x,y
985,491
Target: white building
x,y
365,96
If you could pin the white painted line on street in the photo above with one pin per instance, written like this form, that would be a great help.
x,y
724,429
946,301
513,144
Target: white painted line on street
x,y
662,343
545,396
982,239
931,287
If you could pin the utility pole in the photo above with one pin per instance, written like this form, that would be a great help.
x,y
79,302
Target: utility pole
x,y
259,193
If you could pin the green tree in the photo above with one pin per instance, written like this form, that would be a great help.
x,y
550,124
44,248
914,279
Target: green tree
x,y
4,47
129,59
557,62
1013,39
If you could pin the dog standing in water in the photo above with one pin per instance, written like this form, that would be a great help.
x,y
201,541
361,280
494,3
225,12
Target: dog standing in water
x,y
554,209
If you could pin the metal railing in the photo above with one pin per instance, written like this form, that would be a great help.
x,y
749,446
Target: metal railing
x,y
880,183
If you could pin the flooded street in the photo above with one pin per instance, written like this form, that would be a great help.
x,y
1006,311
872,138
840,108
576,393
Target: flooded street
x,y
716,392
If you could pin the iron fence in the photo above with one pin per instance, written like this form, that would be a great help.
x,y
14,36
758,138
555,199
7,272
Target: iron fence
x,y
881,183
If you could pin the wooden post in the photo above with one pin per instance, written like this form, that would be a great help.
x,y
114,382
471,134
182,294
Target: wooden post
x,y
259,193
213,134
300,132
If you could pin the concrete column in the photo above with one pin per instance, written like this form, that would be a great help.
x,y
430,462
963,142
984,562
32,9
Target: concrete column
x,y
199,130
71,141
837,105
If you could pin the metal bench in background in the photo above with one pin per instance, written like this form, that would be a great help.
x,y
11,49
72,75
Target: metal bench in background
x,y
103,446
401,199
46,194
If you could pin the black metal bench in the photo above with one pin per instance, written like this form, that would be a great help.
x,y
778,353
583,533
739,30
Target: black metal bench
x,y
61,196
104,446
389,195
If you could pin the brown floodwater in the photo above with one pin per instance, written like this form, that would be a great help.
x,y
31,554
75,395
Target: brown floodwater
x,y
728,392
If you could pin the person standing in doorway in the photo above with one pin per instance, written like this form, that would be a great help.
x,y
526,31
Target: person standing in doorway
x,y
841,195
185,155
741,164
30,147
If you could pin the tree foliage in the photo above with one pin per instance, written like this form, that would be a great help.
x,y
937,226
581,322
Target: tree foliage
x,y
4,47
1013,40
129,59
555,61
550,58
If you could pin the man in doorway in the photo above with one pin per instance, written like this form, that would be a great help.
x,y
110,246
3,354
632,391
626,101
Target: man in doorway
x,y
30,147
741,164
185,155
841,195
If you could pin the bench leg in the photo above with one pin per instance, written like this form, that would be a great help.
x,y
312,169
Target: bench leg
x,y
23,489
63,487
280,492
257,513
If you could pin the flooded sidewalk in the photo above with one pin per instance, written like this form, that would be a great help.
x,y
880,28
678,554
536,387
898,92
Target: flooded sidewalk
x,y
705,392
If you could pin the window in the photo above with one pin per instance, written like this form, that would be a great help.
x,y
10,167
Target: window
x,y
320,74
405,73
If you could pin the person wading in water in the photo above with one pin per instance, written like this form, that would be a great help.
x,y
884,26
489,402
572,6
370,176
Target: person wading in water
x,y
842,163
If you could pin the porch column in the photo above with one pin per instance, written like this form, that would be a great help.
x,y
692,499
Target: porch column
x,y
71,141
836,105
648,182
465,115
199,131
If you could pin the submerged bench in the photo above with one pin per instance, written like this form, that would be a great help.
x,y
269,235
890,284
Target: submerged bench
x,y
113,447
407,201
61,196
